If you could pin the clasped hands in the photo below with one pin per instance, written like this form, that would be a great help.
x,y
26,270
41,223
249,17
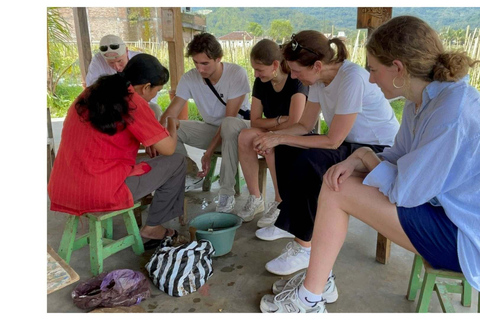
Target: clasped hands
x,y
265,142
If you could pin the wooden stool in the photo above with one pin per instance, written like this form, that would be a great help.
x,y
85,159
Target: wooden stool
x,y
383,248
211,177
429,283
101,246
262,175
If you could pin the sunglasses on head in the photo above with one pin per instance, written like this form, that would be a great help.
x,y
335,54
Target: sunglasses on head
x,y
296,45
112,46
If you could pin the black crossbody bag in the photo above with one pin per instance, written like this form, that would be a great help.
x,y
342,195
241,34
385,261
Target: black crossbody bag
x,y
244,113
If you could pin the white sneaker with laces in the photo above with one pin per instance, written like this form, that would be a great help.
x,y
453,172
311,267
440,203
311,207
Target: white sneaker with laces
x,y
251,208
226,203
270,215
293,258
288,302
330,292
272,233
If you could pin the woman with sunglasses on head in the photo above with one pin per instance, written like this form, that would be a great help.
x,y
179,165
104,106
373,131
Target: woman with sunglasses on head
x,y
281,99
422,193
95,169
357,115
112,58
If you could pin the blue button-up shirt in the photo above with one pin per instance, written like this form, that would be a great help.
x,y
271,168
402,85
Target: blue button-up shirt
x,y
436,159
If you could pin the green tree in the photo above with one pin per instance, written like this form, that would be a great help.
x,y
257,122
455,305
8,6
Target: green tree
x,y
255,28
280,29
58,35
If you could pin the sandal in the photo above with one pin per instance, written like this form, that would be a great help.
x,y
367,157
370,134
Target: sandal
x,y
166,241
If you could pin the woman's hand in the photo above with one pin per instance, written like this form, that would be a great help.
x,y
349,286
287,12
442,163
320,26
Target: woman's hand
x,y
338,173
151,151
265,142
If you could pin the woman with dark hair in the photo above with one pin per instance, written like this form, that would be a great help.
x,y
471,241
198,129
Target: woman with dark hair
x,y
356,113
281,99
95,169
422,193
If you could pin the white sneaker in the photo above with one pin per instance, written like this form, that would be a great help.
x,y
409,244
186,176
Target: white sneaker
x,y
330,292
272,233
293,258
226,203
270,215
288,302
251,208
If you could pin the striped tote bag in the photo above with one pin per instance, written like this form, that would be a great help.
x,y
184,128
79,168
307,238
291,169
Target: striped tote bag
x,y
181,270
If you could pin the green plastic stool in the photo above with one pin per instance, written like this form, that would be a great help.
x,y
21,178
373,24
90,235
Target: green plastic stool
x,y
430,283
101,247
211,177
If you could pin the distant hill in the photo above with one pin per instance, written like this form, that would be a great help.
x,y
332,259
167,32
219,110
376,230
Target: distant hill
x,y
224,20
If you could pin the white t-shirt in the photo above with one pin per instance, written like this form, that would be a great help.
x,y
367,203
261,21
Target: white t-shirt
x,y
99,67
351,92
232,84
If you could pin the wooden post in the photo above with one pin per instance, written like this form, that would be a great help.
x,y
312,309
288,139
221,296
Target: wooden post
x,y
372,18
173,33
83,40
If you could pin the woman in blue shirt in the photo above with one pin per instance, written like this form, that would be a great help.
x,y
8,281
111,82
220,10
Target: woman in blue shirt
x,y
422,193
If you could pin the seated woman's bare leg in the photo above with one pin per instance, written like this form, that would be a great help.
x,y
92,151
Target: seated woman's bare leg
x,y
270,158
331,225
249,159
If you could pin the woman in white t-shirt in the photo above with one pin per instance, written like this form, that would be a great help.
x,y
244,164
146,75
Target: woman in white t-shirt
x,y
356,113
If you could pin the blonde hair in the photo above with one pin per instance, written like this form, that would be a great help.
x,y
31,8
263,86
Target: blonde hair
x,y
414,43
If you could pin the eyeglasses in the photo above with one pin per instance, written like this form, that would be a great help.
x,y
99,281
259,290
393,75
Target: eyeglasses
x,y
296,45
112,46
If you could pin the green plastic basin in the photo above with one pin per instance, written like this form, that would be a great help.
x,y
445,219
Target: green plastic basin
x,y
219,228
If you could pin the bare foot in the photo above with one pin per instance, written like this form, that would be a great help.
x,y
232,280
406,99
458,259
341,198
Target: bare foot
x,y
155,232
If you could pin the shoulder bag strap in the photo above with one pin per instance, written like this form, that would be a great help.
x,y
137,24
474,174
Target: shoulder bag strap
x,y
210,85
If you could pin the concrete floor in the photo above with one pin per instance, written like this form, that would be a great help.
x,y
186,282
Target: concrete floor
x,y
240,280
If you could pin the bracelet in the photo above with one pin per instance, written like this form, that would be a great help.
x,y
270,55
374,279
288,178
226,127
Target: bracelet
x,y
278,119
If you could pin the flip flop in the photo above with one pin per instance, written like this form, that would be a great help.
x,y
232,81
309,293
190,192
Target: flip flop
x,y
166,241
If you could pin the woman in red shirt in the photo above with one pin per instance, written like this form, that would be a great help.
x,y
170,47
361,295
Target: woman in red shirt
x,y
95,169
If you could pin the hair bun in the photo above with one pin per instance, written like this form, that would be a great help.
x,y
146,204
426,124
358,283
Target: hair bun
x,y
451,66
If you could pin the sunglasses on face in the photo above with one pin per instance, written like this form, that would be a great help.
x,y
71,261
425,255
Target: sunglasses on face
x,y
112,46
296,45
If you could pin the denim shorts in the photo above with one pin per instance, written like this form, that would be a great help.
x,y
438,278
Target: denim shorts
x,y
433,234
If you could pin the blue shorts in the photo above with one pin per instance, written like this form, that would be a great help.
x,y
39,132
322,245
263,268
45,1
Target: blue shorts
x,y
433,234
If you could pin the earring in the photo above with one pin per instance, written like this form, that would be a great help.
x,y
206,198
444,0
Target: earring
x,y
274,74
398,87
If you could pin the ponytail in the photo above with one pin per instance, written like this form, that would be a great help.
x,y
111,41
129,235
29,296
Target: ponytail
x,y
317,47
342,52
